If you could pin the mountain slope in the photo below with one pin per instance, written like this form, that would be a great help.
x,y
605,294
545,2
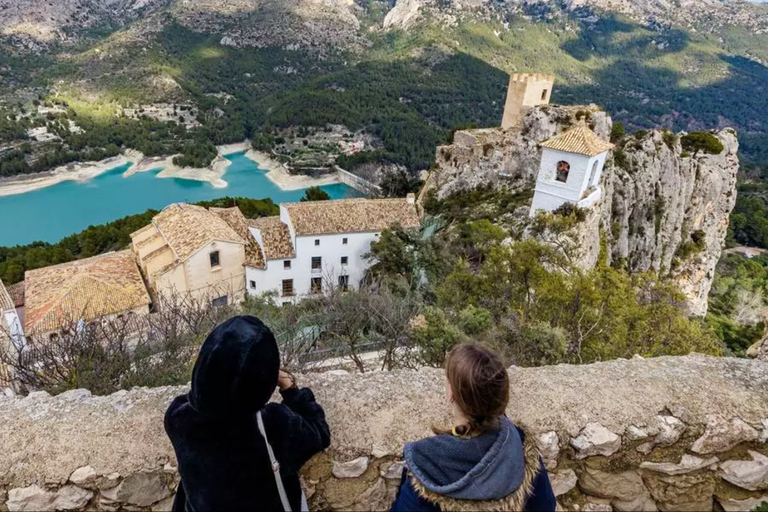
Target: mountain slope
x,y
407,71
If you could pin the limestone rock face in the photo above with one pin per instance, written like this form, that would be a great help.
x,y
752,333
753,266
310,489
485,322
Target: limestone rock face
x,y
688,464
659,202
660,199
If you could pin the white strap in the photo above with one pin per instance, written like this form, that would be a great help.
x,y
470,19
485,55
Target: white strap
x,y
275,465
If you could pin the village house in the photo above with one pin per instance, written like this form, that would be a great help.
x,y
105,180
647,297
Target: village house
x,y
316,244
190,251
75,294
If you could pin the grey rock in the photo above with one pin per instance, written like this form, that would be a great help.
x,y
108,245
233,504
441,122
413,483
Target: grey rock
x,y
394,471
682,493
595,439
751,475
722,434
733,505
627,486
687,464
670,430
634,433
69,497
351,469
164,506
549,447
84,476
563,481
142,489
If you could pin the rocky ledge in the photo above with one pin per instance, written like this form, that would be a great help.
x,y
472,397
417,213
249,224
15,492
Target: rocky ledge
x,y
685,433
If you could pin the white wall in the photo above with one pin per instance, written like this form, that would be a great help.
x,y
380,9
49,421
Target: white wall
x,y
331,249
550,194
12,324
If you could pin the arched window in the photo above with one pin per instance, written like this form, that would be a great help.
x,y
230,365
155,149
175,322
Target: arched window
x,y
593,174
563,168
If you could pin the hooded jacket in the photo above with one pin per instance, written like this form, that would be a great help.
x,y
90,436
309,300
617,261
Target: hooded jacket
x,y
223,460
497,470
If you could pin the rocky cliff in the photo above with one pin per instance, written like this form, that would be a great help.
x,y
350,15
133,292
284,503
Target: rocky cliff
x,y
675,434
663,209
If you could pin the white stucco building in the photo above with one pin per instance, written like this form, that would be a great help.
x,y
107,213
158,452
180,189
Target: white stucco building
x,y
315,245
570,171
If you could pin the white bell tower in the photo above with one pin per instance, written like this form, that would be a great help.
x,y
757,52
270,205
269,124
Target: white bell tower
x,y
571,166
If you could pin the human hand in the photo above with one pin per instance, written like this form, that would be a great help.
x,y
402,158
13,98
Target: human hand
x,y
285,380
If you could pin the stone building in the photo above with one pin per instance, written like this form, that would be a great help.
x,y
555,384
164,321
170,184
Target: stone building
x,y
570,170
525,91
72,295
190,251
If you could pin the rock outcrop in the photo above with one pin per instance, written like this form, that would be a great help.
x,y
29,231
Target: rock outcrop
x,y
663,209
81,452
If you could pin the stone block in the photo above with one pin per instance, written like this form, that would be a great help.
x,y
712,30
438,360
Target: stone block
x,y
681,493
142,489
595,439
688,464
751,475
563,481
733,505
549,447
351,469
69,497
722,434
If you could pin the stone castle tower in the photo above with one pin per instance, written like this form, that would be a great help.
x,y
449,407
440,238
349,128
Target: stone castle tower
x,y
525,91
570,170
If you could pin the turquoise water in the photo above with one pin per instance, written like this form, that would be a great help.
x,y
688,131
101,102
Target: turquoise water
x,y
52,213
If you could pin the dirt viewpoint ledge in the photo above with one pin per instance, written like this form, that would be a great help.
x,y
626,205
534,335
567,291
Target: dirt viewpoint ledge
x,y
670,433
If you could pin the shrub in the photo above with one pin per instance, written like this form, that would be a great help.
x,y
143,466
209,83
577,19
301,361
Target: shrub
x,y
670,139
702,141
641,134
617,132
570,210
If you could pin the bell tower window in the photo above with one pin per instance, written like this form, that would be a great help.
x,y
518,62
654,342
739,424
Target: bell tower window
x,y
561,174
544,95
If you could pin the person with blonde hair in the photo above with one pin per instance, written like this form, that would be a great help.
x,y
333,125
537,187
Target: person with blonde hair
x,y
483,462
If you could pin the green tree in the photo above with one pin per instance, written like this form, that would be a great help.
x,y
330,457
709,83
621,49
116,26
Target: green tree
x,y
315,194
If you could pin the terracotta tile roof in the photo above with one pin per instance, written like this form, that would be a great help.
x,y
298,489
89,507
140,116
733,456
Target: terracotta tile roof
x,y
351,215
237,221
83,289
276,237
580,140
187,228
6,303
16,291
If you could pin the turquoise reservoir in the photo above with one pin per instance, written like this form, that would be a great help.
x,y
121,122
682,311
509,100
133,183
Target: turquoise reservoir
x,y
54,212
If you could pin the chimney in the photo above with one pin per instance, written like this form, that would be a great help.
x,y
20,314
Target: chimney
x,y
411,198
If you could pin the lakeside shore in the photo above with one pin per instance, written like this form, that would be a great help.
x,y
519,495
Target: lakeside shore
x,y
213,174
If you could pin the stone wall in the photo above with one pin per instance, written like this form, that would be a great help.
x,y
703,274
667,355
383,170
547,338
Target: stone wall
x,y
683,433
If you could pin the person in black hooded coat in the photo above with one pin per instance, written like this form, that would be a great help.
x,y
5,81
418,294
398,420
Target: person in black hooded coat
x,y
223,460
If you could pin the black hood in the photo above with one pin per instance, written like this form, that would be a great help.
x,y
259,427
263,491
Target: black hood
x,y
237,368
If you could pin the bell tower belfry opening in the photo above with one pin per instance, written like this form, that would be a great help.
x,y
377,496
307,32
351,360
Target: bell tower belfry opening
x,y
525,91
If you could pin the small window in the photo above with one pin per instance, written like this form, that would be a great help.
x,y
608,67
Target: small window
x,y
253,284
215,262
344,260
317,263
345,241
287,265
221,301
316,285
544,95
563,168
344,283
287,287
317,241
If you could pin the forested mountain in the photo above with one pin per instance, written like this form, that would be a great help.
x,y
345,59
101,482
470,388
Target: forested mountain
x,y
407,72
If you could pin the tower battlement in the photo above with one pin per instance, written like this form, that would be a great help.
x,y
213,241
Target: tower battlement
x,y
525,90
